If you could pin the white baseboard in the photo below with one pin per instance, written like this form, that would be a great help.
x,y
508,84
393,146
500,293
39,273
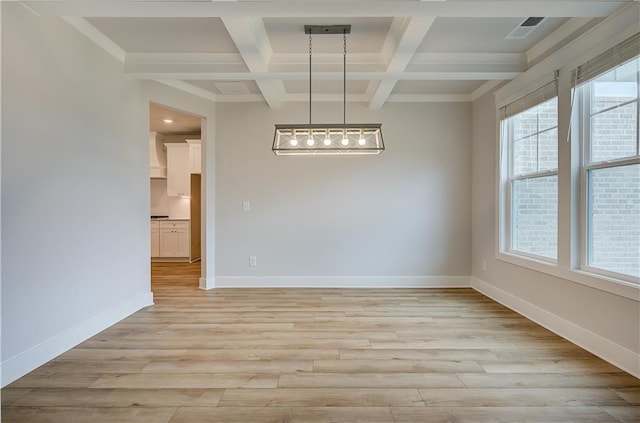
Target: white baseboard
x,y
606,349
342,282
21,364
203,283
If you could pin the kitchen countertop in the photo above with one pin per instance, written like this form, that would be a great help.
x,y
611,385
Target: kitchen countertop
x,y
168,218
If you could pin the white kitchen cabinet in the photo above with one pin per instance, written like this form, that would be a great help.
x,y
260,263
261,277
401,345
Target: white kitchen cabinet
x,y
195,156
174,238
178,169
155,239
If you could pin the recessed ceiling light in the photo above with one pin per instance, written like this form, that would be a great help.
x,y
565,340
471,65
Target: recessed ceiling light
x,y
167,121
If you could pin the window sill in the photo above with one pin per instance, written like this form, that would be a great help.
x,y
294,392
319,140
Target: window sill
x,y
603,283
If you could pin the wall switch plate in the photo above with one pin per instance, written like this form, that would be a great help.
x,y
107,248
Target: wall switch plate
x,y
246,205
252,261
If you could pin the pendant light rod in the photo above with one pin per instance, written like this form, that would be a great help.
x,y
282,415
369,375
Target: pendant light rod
x,y
309,79
344,77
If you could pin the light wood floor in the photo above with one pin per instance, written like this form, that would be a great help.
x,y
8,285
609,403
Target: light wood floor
x,y
321,355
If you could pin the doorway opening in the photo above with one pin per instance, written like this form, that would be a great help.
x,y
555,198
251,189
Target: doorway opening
x,y
175,163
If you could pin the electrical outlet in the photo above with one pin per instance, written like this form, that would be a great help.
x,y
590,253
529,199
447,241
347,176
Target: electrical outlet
x,y
252,261
484,265
246,205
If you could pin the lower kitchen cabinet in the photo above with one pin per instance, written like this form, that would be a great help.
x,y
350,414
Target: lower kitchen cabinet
x,y
155,239
173,239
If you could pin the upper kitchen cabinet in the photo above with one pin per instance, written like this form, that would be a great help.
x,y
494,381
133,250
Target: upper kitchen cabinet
x,y
195,155
178,169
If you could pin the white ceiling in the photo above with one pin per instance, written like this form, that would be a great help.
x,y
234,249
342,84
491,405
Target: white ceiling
x,y
182,123
398,50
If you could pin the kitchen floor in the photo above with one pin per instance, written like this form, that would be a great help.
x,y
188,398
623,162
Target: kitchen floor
x,y
321,355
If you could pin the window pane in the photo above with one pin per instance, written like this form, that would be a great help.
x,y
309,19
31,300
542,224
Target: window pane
x,y
548,150
525,123
524,156
548,114
535,216
615,87
614,216
613,133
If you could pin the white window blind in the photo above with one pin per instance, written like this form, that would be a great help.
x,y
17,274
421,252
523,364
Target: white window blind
x,y
615,56
538,96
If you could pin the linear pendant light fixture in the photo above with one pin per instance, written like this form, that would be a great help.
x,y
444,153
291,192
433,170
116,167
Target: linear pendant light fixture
x,y
320,139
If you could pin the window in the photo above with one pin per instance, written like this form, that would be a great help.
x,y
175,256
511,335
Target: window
x,y
610,169
529,188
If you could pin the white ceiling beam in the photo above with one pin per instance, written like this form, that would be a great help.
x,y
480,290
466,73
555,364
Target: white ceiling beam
x,y
190,88
359,76
252,42
92,33
405,36
429,98
354,58
468,58
184,59
335,8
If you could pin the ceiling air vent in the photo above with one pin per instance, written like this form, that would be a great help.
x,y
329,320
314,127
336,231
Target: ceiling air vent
x,y
525,28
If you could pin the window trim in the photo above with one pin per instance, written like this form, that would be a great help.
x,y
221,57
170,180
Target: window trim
x,y
601,282
584,139
507,178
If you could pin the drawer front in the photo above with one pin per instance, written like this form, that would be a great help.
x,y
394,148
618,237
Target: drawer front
x,y
174,225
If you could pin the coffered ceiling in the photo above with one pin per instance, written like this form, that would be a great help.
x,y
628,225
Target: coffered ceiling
x,y
398,50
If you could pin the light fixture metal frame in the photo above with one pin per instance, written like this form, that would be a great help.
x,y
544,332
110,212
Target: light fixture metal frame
x,y
369,134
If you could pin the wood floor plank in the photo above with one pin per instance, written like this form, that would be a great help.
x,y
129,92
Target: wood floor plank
x,y
369,380
55,380
73,397
417,354
187,380
395,366
501,414
320,397
548,380
88,414
283,414
264,354
522,397
631,395
11,395
230,366
627,414
550,366
105,354
321,355
89,367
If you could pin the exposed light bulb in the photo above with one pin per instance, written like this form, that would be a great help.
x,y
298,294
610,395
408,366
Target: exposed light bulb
x,y
361,141
294,142
310,141
345,140
327,141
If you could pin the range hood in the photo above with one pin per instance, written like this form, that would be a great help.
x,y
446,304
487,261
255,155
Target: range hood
x,y
157,156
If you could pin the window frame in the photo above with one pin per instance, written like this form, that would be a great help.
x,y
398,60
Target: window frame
x,y
508,179
585,97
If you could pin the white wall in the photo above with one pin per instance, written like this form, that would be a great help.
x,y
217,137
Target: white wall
x,y
400,218
75,190
606,323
